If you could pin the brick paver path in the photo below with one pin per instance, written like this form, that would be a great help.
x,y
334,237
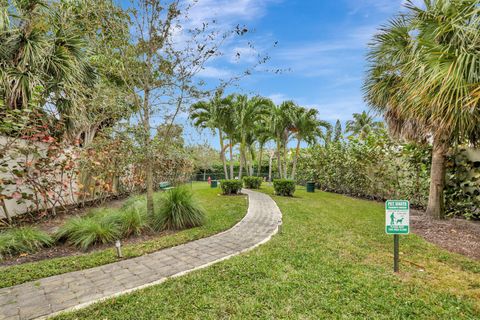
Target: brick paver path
x,y
51,295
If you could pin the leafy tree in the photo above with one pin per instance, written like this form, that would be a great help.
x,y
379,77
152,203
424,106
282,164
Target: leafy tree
x,y
424,78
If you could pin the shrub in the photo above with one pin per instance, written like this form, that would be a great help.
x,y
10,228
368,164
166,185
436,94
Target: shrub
x,y
284,187
86,231
177,210
23,240
131,219
252,182
231,186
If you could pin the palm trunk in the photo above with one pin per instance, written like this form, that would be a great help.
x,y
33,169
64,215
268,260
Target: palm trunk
x,y
279,160
242,159
270,160
222,153
259,167
436,201
297,152
285,166
231,159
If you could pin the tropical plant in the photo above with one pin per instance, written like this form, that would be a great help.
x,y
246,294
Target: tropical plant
x,y
306,127
41,50
84,232
247,113
424,78
214,115
178,210
362,124
23,240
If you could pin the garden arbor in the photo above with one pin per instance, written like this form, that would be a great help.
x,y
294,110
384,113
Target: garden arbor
x,y
424,77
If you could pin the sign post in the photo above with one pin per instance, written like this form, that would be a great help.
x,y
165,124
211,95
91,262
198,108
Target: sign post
x,y
397,222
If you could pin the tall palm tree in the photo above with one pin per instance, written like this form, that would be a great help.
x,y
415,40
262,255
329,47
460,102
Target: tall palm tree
x,y
248,112
280,125
211,114
424,76
362,124
306,127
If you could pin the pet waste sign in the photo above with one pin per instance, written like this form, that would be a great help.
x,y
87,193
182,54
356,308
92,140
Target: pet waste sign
x,y
397,217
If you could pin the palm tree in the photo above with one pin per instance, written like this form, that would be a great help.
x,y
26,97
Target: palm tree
x,y
211,114
280,125
306,127
247,113
43,53
424,77
362,124
338,131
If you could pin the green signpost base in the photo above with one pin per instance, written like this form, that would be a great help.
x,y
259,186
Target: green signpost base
x,y
396,252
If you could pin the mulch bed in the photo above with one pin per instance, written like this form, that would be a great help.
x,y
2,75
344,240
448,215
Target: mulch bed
x,y
456,235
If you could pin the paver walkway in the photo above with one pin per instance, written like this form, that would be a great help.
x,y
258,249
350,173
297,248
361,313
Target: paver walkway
x,y
44,297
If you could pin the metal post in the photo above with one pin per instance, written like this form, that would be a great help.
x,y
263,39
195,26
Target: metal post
x,y
396,247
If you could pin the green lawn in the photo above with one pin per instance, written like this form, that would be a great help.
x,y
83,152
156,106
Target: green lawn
x,y
331,260
222,213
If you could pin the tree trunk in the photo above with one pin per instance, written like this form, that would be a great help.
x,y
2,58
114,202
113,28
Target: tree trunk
x,y
222,154
270,160
231,158
204,174
242,159
436,201
279,160
259,167
149,158
285,166
297,152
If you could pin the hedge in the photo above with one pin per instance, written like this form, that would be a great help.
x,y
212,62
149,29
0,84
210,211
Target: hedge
x,y
284,187
252,182
231,186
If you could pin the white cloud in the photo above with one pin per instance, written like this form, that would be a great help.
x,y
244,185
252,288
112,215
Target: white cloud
x,y
278,98
214,72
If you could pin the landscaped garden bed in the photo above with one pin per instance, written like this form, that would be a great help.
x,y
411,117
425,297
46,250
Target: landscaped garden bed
x,y
221,213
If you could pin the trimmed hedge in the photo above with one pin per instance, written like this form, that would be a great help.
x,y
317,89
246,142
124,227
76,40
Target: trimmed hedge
x,y
231,186
252,182
284,187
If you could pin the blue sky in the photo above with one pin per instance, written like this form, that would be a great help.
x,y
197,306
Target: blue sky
x,y
322,42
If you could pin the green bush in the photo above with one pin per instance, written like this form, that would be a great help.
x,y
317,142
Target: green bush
x,y
231,186
23,240
252,182
86,231
178,210
284,187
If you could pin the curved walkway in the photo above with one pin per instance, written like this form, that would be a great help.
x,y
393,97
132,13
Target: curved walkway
x,y
48,296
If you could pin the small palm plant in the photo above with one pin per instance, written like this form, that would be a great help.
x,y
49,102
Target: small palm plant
x,y
178,210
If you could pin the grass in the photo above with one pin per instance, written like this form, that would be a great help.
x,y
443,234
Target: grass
x,y
221,214
331,259
23,240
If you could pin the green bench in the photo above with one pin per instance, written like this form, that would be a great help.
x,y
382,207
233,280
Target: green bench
x,y
165,186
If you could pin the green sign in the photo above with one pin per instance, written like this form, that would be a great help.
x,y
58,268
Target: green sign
x,y
397,217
